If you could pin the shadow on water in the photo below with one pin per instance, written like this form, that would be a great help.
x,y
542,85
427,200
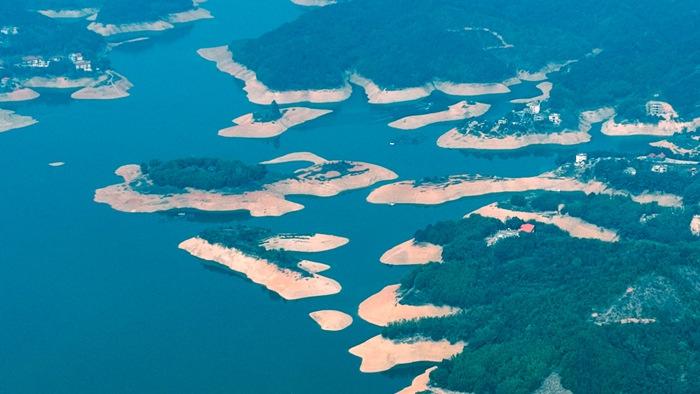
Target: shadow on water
x,y
219,269
195,215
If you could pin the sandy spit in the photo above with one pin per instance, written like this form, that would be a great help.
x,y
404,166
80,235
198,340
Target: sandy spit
x,y
109,29
410,253
288,284
258,92
461,110
419,383
22,94
379,354
314,3
297,156
331,320
69,14
58,82
247,127
312,266
111,85
664,128
385,307
574,226
304,243
544,87
9,120
666,144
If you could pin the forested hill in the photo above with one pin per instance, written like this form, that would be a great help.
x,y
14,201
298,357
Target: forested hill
x,y
646,48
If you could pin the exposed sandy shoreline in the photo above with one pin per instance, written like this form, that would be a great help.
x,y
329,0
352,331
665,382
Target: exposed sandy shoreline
x,y
247,127
461,110
288,284
21,94
314,3
456,187
385,307
574,226
664,128
544,87
675,149
267,201
109,29
111,85
331,320
456,139
419,383
69,14
258,93
381,354
9,120
410,253
312,266
305,243
57,82
695,225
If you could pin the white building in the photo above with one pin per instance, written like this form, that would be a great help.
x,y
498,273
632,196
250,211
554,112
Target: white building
x,y
659,168
35,62
9,30
555,118
661,109
581,159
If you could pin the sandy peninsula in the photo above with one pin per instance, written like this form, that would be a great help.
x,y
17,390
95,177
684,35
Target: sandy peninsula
x,y
385,307
312,266
380,354
304,243
664,128
57,82
269,200
110,85
21,94
313,3
673,148
297,156
457,139
695,225
247,127
419,383
574,226
290,285
57,164
258,92
169,22
544,87
542,74
412,253
461,110
69,14
9,120
331,320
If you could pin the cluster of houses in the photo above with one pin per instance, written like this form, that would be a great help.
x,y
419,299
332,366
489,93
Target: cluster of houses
x,y
661,109
531,118
77,58
9,30
503,234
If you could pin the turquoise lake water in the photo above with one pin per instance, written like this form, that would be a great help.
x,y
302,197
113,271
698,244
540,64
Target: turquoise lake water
x,y
95,300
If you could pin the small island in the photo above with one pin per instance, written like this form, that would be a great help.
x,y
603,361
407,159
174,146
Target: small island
x,y
9,120
330,320
271,122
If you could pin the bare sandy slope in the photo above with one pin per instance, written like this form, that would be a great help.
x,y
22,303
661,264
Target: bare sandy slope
x,y
410,252
109,29
576,227
663,128
457,139
385,307
9,120
109,86
459,111
290,285
21,94
305,243
312,266
69,13
419,383
331,320
379,354
695,225
544,87
58,82
314,3
666,144
247,127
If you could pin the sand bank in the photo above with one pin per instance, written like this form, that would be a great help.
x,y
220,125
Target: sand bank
x,y
247,127
110,85
544,87
695,225
69,14
258,92
57,164
297,156
461,110
58,82
304,243
314,3
675,149
290,285
269,200
9,120
21,94
574,226
542,74
312,266
664,128
385,307
410,252
330,320
169,22
663,199
380,354
457,139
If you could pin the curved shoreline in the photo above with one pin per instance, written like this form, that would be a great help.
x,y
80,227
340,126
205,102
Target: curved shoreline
x,y
9,120
412,253
385,307
20,94
459,111
664,128
331,320
169,22
111,85
419,384
288,284
380,354
304,243
247,127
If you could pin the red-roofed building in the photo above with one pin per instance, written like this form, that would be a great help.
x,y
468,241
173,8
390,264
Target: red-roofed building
x,y
527,228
